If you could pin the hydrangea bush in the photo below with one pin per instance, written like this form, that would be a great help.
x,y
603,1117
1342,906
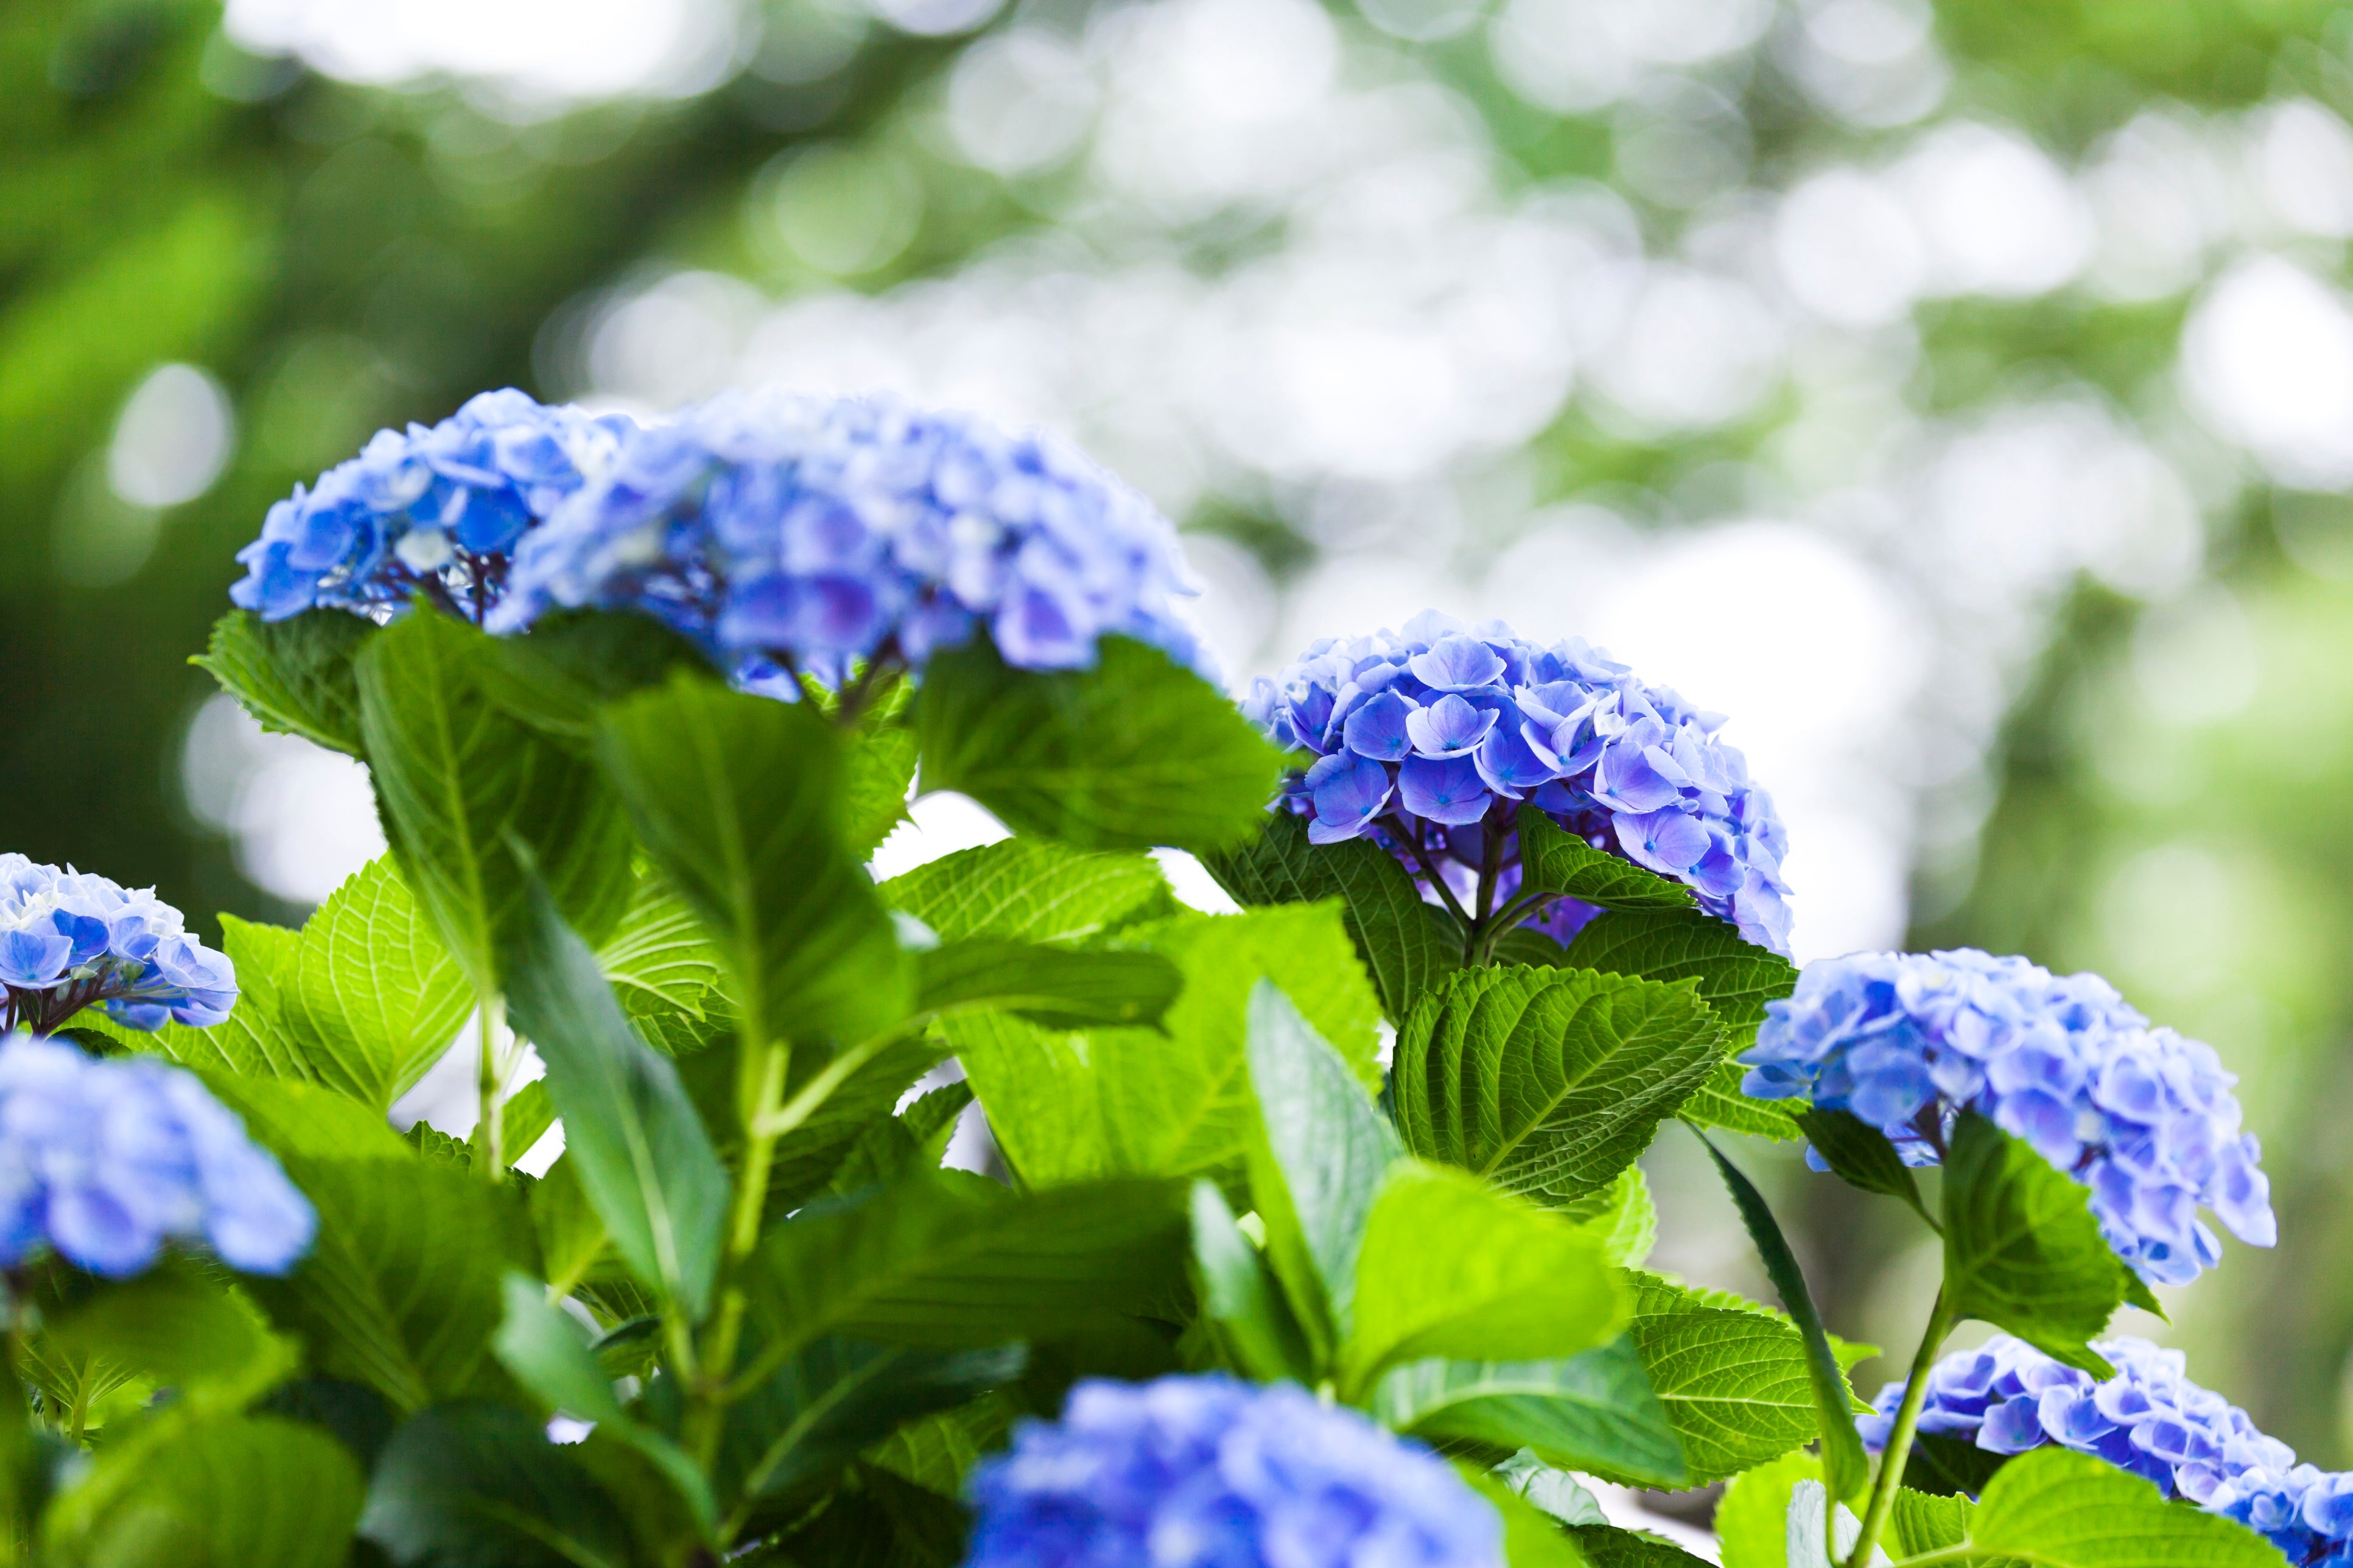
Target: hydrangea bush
x,y
1008,1211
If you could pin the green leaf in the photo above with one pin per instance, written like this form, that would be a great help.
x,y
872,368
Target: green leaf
x,y
641,1152
1860,1155
1622,1217
1733,1378
1607,1546
1556,1492
301,1121
1451,1267
547,1351
1549,1081
657,957
457,778
401,1290
1028,889
555,678
1321,1150
878,1520
1845,1470
1555,861
1531,1538
878,767
228,1491
1923,1523
1734,977
525,1118
953,1261
252,1041
1172,1102
1241,1295
172,1323
368,994
1136,752
939,1451
1946,1466
1592,1411
574,1245
2021,1249
1406,952
838,1397
2054,1508
738,799
1051,986
479,1486
811,1154
294,676
1753,1518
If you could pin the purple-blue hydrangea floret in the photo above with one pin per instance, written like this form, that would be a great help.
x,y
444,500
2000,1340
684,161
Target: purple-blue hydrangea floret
x,y
435,509
107,1159
2007,1397
1205,1472
1442,734
797,536
70,939
2142,1117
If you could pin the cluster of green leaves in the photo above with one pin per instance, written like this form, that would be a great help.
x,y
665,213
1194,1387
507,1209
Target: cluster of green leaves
x,y
791,1327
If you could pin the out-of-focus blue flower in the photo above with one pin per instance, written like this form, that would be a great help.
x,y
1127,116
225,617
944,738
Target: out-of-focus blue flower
x,y
434,511
1431,742
2008,1397
2142,1117
107,1159
794,535
1205,1472
70,939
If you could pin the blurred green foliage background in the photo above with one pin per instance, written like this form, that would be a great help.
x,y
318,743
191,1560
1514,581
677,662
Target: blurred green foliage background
x,y
1997,349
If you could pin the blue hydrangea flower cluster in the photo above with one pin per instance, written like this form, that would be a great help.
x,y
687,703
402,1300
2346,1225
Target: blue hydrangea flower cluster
x,y
107,1159
70,939
1205,1472
1432,743
2007,1397
2142,1117
433,511
799,536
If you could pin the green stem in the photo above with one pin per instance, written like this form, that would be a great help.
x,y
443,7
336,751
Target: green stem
x,y
1899,1438
760,1090
490,1154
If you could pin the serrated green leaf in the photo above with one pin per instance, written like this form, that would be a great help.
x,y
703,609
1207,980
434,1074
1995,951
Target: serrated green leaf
x,y
173,1324
1752,1520
1318,1153
1719,1103
659,957
1555,861
1556,1492
1733,1378
368,992
835,1398
1241,1296
1135,752
1549,1081
1591,1412
737,799
1622,1217
1607,1546
878,767
2053,1509
808,1157
1860,1155
1029,890
555,678
641,1152
294,676
953,1261
525,1118
298,1121
251,1041
226,1491
1922,1523
1452,1268
401,1290
938,1451
459,780
1845,1470
2021,1249
1172,1101
479,1486
1405,952
1053,987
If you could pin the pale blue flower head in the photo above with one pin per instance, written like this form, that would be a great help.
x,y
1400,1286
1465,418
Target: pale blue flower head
x,y
70,939
436,510
794,535
108,1160
2007,1397
1205,1472
2140,1115
1434,740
